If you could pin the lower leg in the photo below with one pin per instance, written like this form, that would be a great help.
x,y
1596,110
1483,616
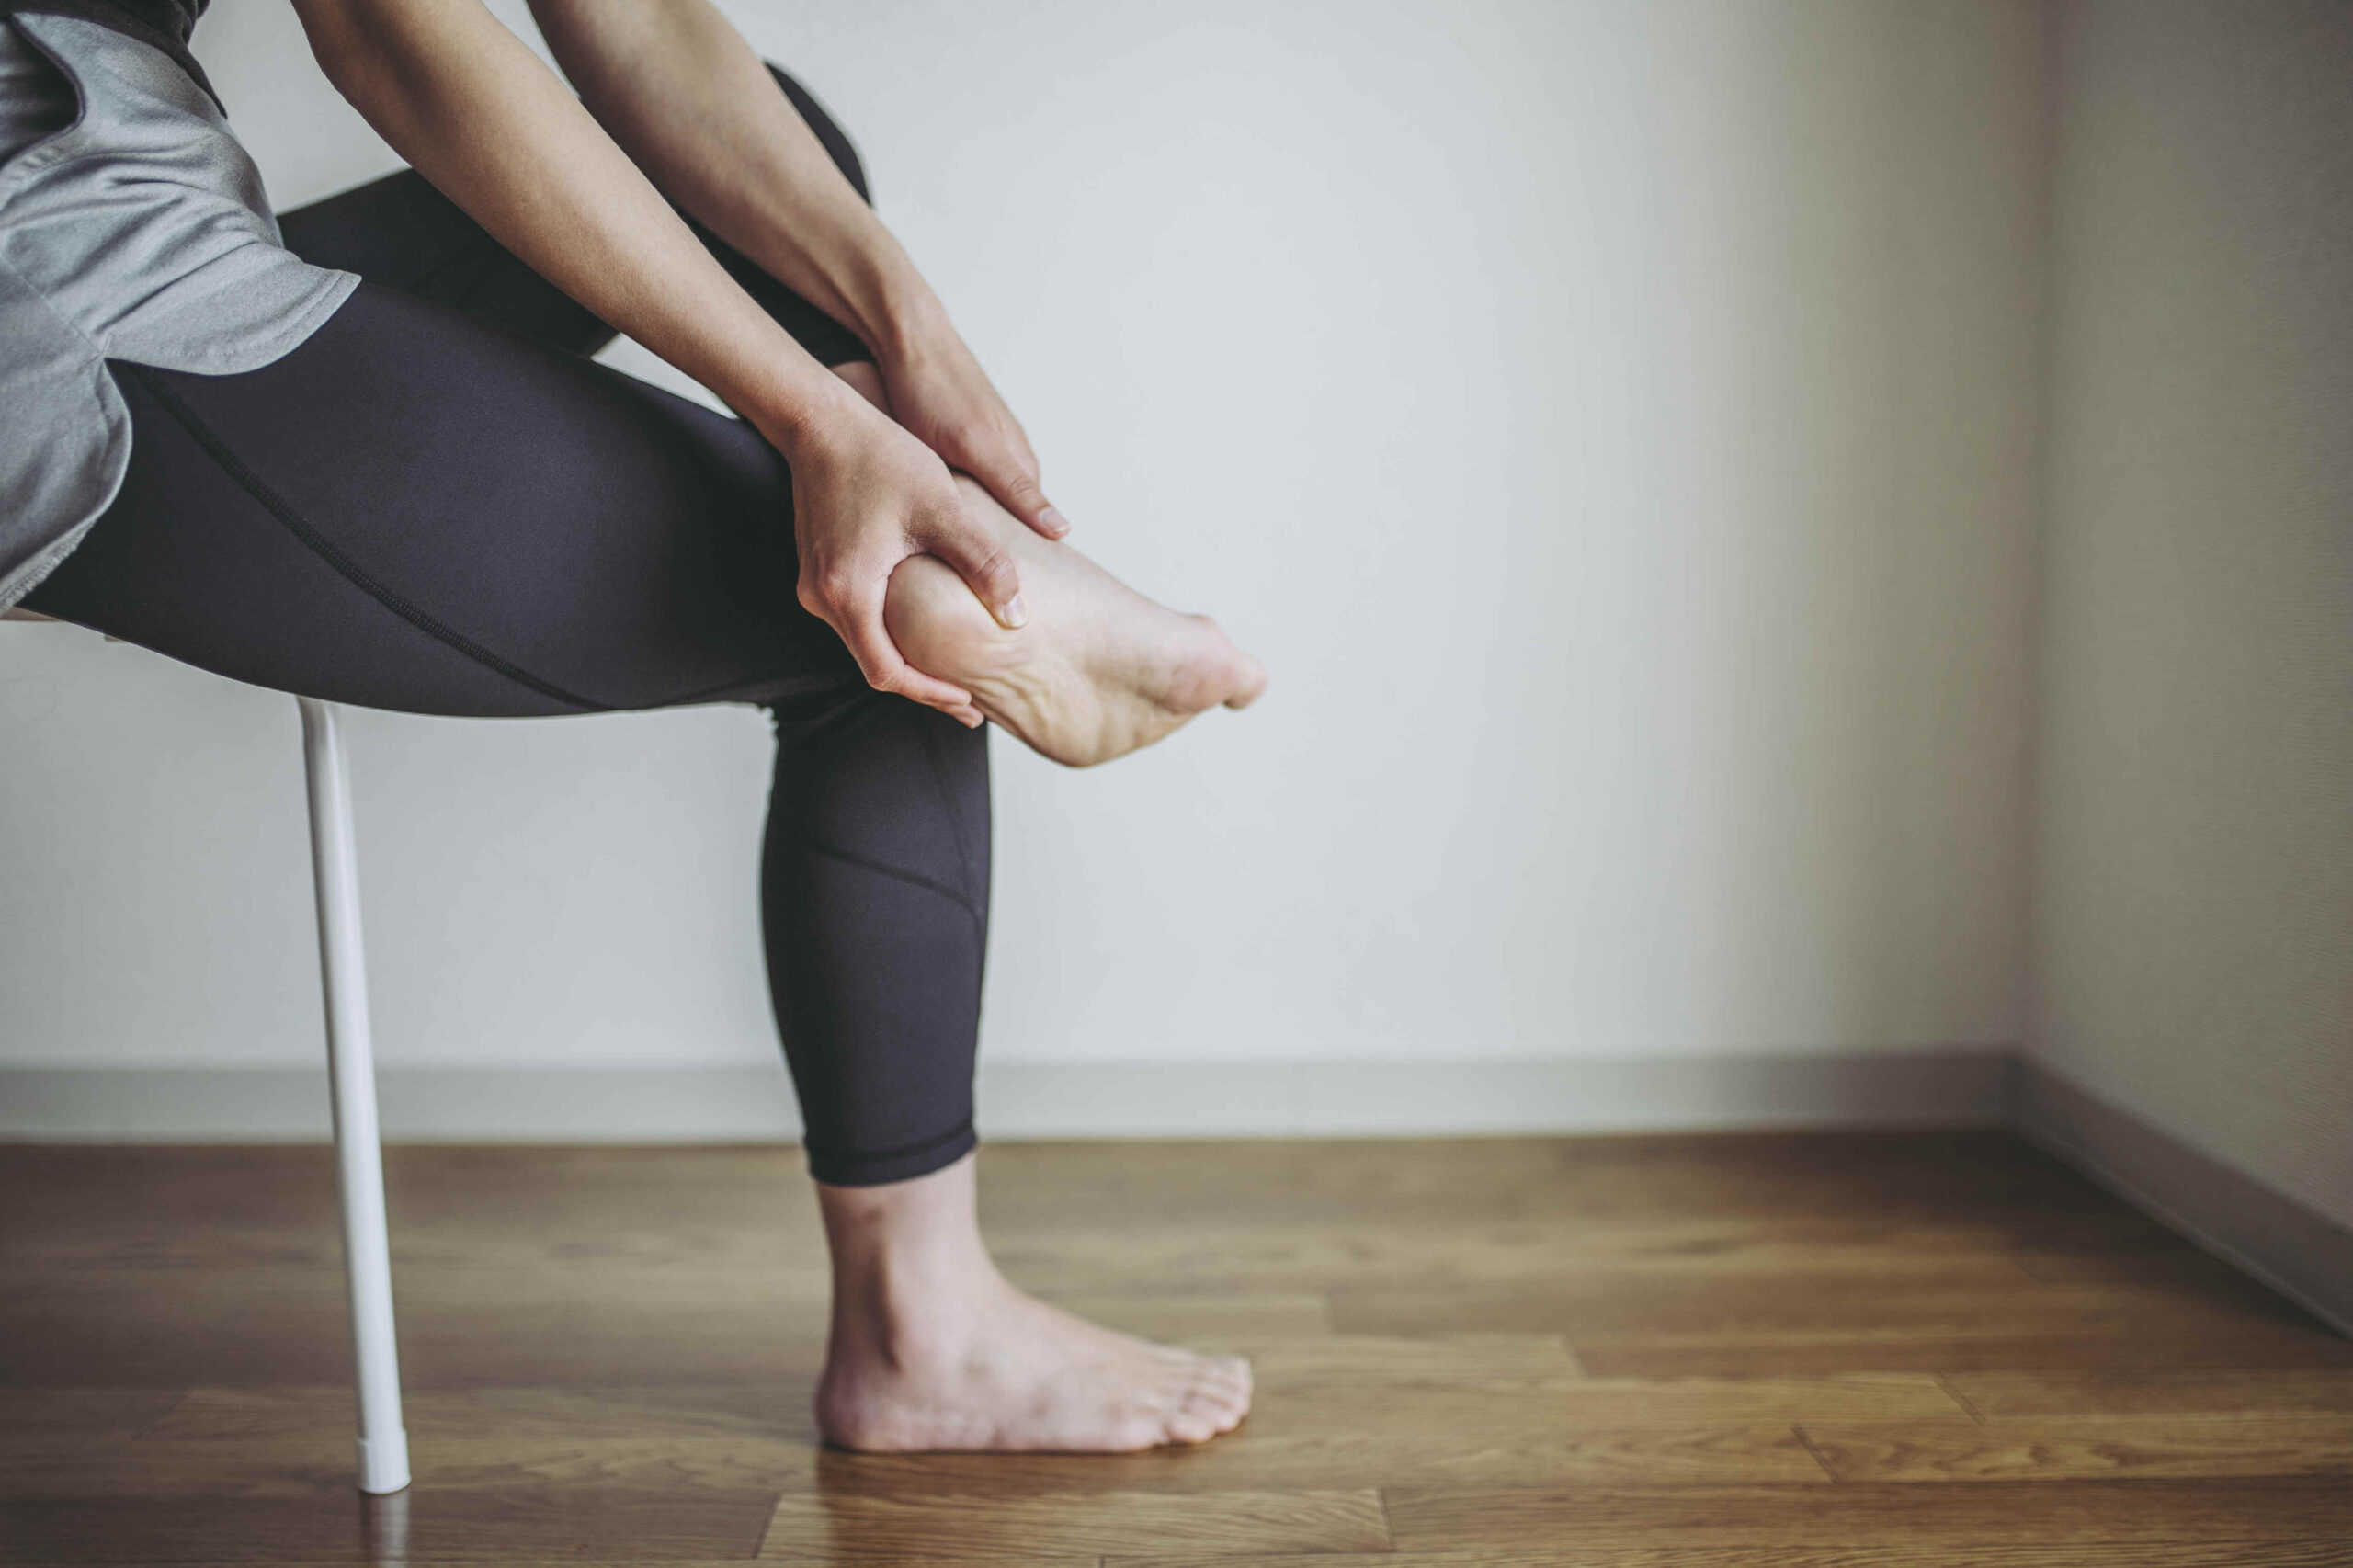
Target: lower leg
x,y
931,1348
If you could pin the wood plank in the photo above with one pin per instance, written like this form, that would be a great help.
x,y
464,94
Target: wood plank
x,y
1281,1365
283,1470
472,1328
30,1417
527,1526
2169,1262
2216,1555
2089,1448
1204,1320
489,1243
1993,1513
594,1285
2141,1390
1337,1461
1889,1177
1373,1256
1958,1349
582,1195
519,1414
284,1326
234,1444
1607,1305
1603,1403
275,1443
62,1428
984,1527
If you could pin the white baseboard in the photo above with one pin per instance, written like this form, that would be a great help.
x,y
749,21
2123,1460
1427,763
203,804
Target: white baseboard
x,y
2303,1255
1947,1089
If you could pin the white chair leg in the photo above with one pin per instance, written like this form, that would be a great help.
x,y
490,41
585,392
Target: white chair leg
x,y
351,1072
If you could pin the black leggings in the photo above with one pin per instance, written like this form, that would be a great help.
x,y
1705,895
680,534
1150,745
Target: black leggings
x,y
438,505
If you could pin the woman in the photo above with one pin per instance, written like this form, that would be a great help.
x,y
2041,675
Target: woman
x,y
364,456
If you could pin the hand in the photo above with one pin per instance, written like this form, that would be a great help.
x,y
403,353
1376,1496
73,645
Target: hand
x,y
939,391
866,496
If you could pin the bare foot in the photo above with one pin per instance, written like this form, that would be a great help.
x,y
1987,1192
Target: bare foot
x,y
934,1350
1098,671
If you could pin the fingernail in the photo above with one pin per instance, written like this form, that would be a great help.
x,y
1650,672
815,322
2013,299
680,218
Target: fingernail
x,y
1015,613
1054,520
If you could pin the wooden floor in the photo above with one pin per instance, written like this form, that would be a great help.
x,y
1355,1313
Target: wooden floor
x,y
1707,1352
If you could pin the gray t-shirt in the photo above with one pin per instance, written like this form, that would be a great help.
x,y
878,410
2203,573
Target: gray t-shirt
x,y
134,230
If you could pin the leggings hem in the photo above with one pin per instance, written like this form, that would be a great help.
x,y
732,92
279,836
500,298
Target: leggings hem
x,y
905,1164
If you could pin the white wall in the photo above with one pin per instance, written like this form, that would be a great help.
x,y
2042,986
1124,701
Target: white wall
x,y
2196,871
1613,423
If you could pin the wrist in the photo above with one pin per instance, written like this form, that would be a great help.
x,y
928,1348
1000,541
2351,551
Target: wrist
x,y
905,319
803,419
879,295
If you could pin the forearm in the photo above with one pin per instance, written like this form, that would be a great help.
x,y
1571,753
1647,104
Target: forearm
x,y
480,116
682,92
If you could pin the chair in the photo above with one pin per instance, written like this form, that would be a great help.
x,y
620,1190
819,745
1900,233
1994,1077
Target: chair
x,y
351,1076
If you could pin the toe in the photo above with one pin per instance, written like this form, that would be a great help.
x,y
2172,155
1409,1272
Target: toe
x,y
1250,686
1222,1409
1132,1437
1192,1426
1229,1373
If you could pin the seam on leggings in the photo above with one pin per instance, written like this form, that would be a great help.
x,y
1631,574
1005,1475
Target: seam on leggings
x,y
942,889
326,550
904,1151
472,250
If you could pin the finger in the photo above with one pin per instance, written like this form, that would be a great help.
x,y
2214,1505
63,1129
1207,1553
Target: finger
x,y
889,673
1015,486
868,640
985,566
886,671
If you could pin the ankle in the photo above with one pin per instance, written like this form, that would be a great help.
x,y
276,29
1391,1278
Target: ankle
x,y
909,1309
911,1275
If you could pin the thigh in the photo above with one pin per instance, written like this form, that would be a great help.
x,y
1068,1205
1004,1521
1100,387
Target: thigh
x,y
417,510
403,233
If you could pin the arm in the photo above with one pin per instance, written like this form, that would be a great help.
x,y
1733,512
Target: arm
x,y
686,97
477,114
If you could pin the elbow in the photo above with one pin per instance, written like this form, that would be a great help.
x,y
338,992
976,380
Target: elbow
x,y
347,40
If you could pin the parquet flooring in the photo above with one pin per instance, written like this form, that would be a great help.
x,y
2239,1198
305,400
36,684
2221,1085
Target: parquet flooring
x,y
1808,1351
